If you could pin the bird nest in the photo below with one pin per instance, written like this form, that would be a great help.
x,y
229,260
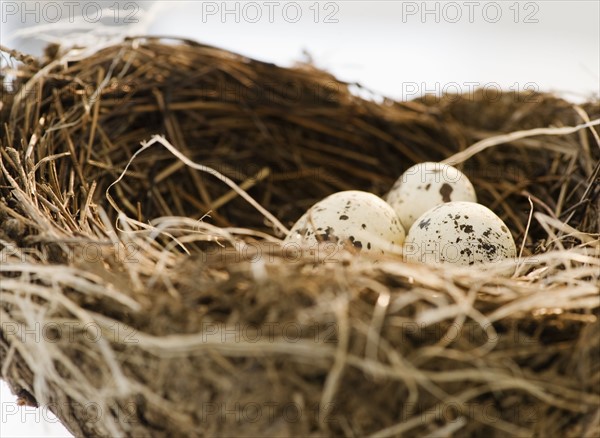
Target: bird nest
x,y
145,188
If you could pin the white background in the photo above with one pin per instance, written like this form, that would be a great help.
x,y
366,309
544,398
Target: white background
x,y
395,49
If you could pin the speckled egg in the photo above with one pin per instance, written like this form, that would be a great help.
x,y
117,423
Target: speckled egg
x,y
425,185
461,233
353,218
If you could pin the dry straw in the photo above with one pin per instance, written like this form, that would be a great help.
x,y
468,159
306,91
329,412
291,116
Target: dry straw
x,y
144,291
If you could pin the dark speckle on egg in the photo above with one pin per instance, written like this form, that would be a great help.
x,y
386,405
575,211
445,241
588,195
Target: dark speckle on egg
x,y
445,191
466,228
425,223
343,217
327,236
357,244
489,248
466,251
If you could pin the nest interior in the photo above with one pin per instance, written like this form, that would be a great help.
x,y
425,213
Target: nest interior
x,y
130,308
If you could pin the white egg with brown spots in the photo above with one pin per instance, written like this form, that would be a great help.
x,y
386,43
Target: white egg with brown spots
x,y
460,233
359,221
425,185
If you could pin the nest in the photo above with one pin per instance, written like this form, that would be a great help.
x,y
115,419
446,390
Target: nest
x,y
145,187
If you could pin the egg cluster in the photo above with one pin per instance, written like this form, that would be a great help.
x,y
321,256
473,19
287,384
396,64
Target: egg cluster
x,y
435,202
